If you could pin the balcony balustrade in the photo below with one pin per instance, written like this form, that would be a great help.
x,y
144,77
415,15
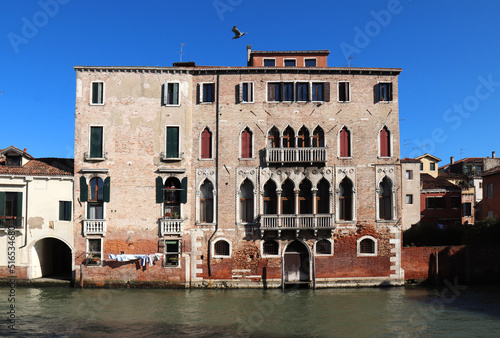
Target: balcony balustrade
x,y
297,222
94,227
7,222
170,226
296,155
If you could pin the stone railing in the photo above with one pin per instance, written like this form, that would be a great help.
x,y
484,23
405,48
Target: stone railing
x,y
295,155
170,226
94,227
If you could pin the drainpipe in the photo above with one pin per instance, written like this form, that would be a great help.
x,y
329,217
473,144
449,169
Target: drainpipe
x,y
26,220
209,254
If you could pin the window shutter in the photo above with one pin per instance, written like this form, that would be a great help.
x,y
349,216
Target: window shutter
x,y
84,190
184,187
389,92
107,187
165,94
175,99
172,142
159,190
281,98
250,92
96,142
213,92
61,210
375,93
326,93
19,207
271,93
2,203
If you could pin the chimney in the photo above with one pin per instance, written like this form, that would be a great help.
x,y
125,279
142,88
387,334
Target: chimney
x,y
25,151
249,51
493,154
452,160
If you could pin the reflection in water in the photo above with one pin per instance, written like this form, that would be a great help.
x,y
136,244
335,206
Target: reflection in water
x,y
65,312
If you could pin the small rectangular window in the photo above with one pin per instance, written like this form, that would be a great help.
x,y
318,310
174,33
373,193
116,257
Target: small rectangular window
x,y
384,92
310,62
409,199
409,174
344,94
208,93
302,91
172,144
421,166
287,91
317,91
290,63
433,166
96,142
467,209
171,94
94,252
97,93
65,210
246,92
269,63
172,253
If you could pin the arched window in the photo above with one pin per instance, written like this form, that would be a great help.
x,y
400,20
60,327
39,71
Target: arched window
x,y
172,200
273,138
287,198
367,246
246,202
385,142
270,198
385,199
323,197
206,143
318,137
246,143
345,200
303,140
288,138
323,247
206,202
222,248
345,142
270,247
96,199
305,197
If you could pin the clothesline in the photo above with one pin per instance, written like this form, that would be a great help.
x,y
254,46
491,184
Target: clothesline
x,y
132,257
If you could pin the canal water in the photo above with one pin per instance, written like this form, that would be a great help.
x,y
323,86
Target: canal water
x,y
451,310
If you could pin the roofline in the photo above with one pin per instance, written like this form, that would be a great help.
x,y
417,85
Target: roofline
x,y
319,51
428,155
212,69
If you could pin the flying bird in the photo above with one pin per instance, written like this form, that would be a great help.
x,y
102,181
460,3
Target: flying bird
x,y
237,33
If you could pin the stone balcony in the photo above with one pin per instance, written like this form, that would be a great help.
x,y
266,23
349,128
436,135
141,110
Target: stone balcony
x,y
170,226
297,223
94,227
296,155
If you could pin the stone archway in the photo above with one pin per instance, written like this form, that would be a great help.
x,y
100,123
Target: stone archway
x,y
296,261
51,257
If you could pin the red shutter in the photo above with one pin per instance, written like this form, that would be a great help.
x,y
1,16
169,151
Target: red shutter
x,y
344,143
246,144
385,136
206,144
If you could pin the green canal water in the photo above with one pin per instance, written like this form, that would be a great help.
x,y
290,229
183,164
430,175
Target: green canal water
x,y
452,310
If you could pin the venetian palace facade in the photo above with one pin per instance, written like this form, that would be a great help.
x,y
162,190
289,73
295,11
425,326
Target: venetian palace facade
x,y
285,171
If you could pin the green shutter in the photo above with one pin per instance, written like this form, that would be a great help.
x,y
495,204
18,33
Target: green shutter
x,y
172,142
61,210
84,190
184,191
175,99
107,188
2,203
19,209
96,142
159,190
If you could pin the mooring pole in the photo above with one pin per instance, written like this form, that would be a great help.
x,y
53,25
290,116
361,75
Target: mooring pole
x,y
81,276
436,280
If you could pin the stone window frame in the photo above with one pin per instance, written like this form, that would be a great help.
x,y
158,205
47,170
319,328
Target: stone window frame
x,y
409,199
179,143
89,178
201,175
265,255
382,171
87,156
324,239
250,92
165,94
342,172
70,210
308,59
358,246
242,174
391,142
92,93
350,143
201,92
87,252
179,253
289,59
215,255
266,59
212,146
348,90
252,150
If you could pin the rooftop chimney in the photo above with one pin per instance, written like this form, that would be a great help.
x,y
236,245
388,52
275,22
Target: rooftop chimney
x,y
452,160
249,51
493,154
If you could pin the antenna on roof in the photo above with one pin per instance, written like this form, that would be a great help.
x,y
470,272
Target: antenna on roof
x,y
461,151
181,52
349,60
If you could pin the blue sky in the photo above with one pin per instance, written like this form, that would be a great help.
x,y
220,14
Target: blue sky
x,y
449,90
